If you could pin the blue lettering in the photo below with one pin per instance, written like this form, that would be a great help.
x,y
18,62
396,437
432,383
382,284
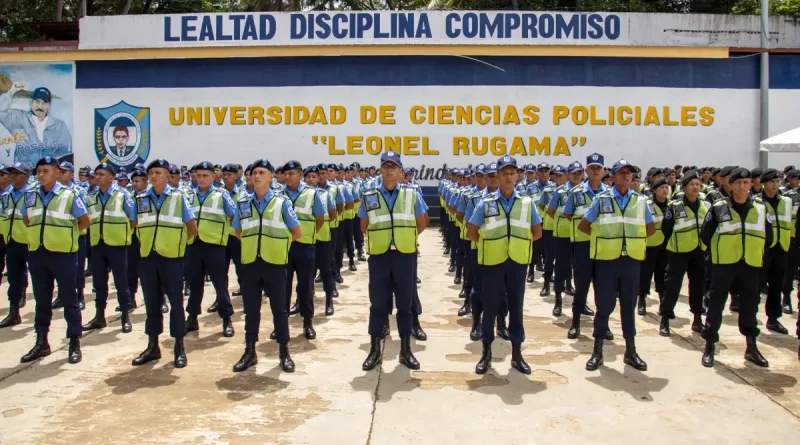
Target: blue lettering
x,y
340,26
450,28
470,27
491,26
405,25
237,26
323,25
206,30
424,27
613,27
364,24
567,29
511,23
546,25
596,31
583,26
186,28
529,27
249,32
377,32
298,26
267,27
168,30
221,30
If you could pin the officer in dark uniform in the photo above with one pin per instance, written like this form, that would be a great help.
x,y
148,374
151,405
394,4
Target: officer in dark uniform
x,y
139,185
655,262
16,235
53,243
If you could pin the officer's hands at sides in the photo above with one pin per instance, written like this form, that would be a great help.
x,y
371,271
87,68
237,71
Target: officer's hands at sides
x,y
332,214
472,232
320,220
191,229
296,233
537,232
421,222
84,222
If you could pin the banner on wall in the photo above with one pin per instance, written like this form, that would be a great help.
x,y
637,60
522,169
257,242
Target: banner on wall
x,y
431,127
36,105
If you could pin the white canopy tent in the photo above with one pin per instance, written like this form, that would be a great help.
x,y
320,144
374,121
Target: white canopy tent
x,y
788,142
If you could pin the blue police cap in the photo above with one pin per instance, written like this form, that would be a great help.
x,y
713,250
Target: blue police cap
x,y
122,176
469,172
574,167
393,157
530,168
205,165
620,165
42,94
491,168
4,169
19,167
559,170
480,169
186,175
263,163
231,168
348,168
138,174
595,159
107,167
47,160
217,166
158,163
139,166
331,167
505,161
292,165
543,166
91,174
67,166
322,166
311,169
174,170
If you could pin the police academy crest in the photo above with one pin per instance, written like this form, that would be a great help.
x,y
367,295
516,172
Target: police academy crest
x,y
122,134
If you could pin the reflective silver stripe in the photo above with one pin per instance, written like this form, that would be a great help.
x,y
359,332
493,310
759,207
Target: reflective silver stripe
x,y
684,224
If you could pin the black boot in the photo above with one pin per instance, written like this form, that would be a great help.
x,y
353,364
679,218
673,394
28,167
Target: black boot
x,y
374,357
751,354
227,328
631,357
557,306
386,330
596,360
273,335
98,322
153,352
328,304
457,279
58,303
775,326
446,250
352,266
237,293
502,329
575,329
530,276
294,309
475,332
641,305
249,358
588,311
517,361
486,359
708,354
87,272
74,355
697,323
361,256
787,304
81,299
191,323
308,329
609,335
734,306
338,278
125,322
452,268
39,350
180,353
164,307
663,329
466,308
416,329
335,293
318,279
406,357
463,293
213,308
545,288
13,318
24,300
287,364
569,290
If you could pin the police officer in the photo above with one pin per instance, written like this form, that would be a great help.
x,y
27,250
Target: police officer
x,y
737,231
267,226
579,200
16,236
343,203
535,190
619,223
111,212
323,251
213,210
464,211
310,214
793,256
558,175
139,185
66,178
54,214
561,233
655,262
236,188
338,207
392,217
165,224
681,227
349,226
504,225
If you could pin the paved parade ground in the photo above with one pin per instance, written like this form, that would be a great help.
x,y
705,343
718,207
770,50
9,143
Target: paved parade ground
x,y
330,400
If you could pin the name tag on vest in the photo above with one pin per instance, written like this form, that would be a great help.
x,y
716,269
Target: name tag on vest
x,y
606,206
679,210
245,210
723,213
143,205
580,199
373,202
30,199
492,209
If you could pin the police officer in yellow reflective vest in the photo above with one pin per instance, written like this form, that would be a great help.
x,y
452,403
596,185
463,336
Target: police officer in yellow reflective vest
x,y
213,210
15,234
111,211
685,253
737,231
54,215
504,226
618,223
561,232
323,252
392,217
779,208
655,261
267,226
165,224
302,255
335,206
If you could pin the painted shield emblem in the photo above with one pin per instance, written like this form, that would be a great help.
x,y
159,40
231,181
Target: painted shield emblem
x,y
122,134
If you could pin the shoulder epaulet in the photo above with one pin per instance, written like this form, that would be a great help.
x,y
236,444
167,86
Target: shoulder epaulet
x,y
606,192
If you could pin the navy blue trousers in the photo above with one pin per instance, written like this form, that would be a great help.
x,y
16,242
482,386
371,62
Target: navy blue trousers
x,y
508,278
47,267
616,278
584,271
302,260
208,259
105,258
257,277
563,264
549,242
323,260
159,274
233,252
133,266
391,273
17,263
80,274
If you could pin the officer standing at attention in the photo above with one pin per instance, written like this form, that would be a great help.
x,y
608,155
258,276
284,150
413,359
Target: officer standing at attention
x,y
737,231
16,236
111,212
655,262
535,190
267,225
213,210
619,223
548,225
165,224
139,185
504,225
392,217
578,203
335,205
53,247
310,214
561,233
66,177
685,252
322,255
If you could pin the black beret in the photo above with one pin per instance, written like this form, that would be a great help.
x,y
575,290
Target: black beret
x,y
174,170
793,174
788,168
292,165
756,172
739,173
769,174
658,183
726,171
204,166
311,169
216,166
249,168
47,160
107,167
688,177
322,166
231,168
158,163
138,174
263,163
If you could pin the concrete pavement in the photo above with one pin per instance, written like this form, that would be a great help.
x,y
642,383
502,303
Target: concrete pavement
x,y
329,399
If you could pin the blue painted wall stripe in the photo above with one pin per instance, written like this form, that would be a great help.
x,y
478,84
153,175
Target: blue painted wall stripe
x,y
739,73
